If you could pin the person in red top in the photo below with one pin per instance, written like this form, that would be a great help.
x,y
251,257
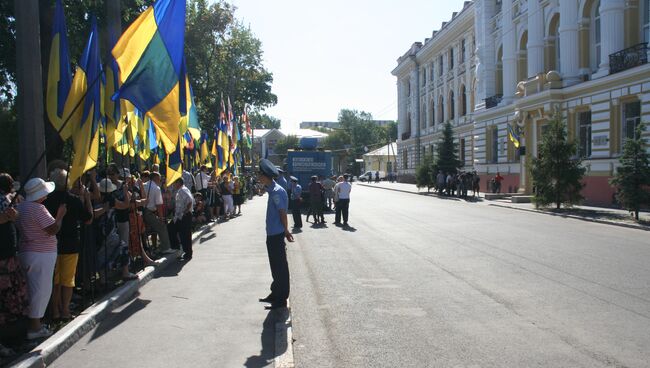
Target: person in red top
x,y
497,181
38,250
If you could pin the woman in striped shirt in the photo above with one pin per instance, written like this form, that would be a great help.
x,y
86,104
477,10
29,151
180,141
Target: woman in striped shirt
x,y
37,250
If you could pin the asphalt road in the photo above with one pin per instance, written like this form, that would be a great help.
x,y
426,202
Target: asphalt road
x,y
429,282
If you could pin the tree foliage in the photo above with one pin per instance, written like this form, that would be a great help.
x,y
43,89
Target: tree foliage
x,y
632,179
556,173
447,152
425,173
263,121
224,59
286,143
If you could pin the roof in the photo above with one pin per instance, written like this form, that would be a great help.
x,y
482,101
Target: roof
x,y
300,133
384,151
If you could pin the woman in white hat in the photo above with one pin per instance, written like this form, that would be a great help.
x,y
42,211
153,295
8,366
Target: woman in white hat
x,y
37,250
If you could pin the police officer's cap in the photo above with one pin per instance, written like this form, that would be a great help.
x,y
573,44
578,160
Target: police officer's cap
x,y
293,178
268,169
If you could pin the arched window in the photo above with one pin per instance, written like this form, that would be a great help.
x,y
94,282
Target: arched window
x,y
432,113
553,44
645,20
463,100
499,72
452,108
522,59
594,37
441,109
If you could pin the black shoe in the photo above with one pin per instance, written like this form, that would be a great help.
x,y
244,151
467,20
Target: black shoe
x,y
185,257
268,299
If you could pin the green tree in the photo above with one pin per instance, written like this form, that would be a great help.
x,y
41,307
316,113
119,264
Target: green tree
x,y
632,179
224,58
263,121
556,173
446,154
425,174
286,143
390,131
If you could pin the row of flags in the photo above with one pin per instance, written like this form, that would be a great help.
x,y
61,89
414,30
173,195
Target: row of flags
x,y
142,102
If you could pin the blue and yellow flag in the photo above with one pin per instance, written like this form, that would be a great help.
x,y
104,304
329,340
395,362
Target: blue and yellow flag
x,y
150,57
189,116
85,122
174,164
514,138
59,76
112,109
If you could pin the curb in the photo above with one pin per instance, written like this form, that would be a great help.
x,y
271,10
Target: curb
x,y
604,222
52,348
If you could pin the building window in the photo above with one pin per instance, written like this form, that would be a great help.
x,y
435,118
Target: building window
x,y
451,58
452,107
631,119
431,73
432,113
405,159
645,17
408,88
463,100
441,109
462,152
595,37
462,51
493,145
440,66
424,75
584,134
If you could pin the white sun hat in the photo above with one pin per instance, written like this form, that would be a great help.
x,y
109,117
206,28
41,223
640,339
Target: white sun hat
x,y
37,188
106,186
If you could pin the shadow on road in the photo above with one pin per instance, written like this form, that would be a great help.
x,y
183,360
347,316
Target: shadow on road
x,y
114,318
268,353
172,270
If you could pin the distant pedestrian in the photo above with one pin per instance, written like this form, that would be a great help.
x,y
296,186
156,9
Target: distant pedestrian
x,y
181,225
342,192
376,176
316,199
296,201
440,182
328,186
276,232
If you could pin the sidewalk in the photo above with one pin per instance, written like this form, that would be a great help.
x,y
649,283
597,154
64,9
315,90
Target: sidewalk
x,y
200,313
609,216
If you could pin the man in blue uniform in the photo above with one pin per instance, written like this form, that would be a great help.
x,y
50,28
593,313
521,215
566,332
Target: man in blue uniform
x,y
296,192
276,231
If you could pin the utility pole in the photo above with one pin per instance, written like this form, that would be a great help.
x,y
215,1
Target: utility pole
x,y
31,129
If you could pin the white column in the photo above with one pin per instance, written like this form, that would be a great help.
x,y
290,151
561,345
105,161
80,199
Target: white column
x,y
612,32
535,39
509,56
569,46
485,65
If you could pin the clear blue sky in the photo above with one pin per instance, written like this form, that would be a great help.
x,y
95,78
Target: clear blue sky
x,y
329,55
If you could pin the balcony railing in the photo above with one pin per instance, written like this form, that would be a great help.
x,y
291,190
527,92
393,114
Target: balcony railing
x,y
493,101
406,135
628,58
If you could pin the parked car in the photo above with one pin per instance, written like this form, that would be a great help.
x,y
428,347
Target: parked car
x,y
371,175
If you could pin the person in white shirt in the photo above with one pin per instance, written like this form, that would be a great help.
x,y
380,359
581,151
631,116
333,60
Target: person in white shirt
x,y
342,194
154,215
181,225
202,180
188,180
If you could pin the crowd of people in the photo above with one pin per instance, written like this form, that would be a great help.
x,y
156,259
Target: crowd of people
x,y
330,193
56,238
458,184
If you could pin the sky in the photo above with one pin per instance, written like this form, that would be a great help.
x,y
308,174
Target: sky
x,y
330,55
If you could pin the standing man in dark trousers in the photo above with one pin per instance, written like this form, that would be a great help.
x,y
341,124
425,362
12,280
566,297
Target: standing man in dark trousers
x,y
181,225
342,192
276,231
296,201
